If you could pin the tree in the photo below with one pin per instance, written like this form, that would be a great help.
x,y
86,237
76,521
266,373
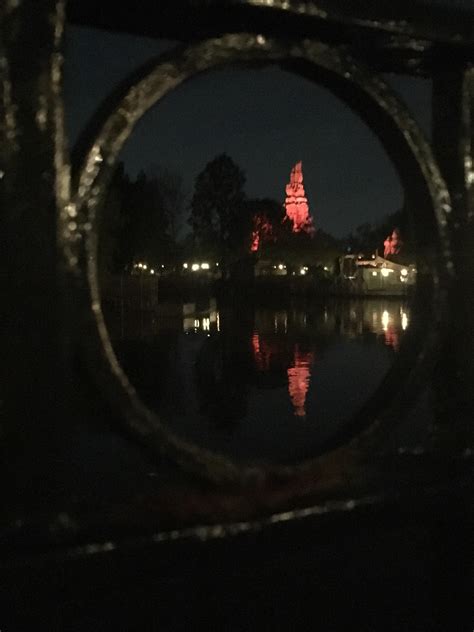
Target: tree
x,y
218,216
111,223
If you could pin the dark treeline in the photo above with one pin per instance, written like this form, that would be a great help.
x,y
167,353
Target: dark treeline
x,y
151,218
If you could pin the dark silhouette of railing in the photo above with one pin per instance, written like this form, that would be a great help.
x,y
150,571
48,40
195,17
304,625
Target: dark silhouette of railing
x,y
61,381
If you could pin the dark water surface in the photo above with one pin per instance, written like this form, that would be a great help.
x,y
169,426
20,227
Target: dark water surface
x,y
259,382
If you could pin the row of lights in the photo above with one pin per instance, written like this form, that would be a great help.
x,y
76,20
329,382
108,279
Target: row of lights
x,y
198,266
386,271
145,267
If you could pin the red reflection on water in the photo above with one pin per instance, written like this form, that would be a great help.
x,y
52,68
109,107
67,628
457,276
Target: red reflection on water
x,y
298,380
262,353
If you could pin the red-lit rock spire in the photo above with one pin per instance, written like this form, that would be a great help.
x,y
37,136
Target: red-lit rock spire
x,y
296,203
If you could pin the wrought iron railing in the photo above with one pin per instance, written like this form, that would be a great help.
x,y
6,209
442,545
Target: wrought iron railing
x,y
60,373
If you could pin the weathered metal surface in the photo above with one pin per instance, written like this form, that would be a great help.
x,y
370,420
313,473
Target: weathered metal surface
x,y
365,92
402,37
47,257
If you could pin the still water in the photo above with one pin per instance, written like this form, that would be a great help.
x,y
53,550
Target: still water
x,y
257,382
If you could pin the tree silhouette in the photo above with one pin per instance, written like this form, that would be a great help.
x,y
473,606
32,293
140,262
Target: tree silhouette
x,y
218,216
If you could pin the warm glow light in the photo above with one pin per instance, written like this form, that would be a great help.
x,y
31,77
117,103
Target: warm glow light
x,y
404,321
162,266
404,272
385,272
326,269
205,266
195,267
374,273
296,202
217,264
302,271
144,266
280,266
196,324
140,265
152,271
206,324
385,320
185,266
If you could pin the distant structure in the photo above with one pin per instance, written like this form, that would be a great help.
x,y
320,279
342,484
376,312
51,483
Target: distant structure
x,y
296,203
299,377
392,244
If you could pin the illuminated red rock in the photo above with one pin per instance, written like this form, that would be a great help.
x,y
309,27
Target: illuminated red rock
x,y
298,380
296,203
392,244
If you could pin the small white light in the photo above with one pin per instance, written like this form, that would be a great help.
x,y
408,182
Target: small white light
x,y
152,271
404,321
404,272
195,267
280,266
217,264
385,272
385,320
140,265
302,271
374,273
205,266
144,266
326,269
185,266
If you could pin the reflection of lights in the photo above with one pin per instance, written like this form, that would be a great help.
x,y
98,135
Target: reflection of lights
x,y
206,324
404,321
385,272
385,320
195,267
404,272
218,322
185,266
302,271
374,273
196,324
205,266
152,271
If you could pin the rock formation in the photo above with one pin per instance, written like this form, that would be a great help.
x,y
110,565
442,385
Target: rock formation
x,y
296,203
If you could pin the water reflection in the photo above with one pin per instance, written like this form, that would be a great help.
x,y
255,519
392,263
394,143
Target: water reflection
x,y
241,378
275,339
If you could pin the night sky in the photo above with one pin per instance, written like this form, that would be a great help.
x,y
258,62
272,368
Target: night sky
x,y
266,120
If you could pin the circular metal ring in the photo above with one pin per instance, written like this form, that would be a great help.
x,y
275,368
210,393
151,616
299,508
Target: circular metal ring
x,y
369,96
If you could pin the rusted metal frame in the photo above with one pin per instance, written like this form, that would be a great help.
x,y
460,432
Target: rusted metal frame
x,y
365,93
453,137
34,191
180,20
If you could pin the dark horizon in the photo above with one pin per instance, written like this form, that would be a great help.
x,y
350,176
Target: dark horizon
x,y
266,120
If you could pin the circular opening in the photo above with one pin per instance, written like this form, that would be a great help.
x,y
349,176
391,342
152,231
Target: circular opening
x,y
373,100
